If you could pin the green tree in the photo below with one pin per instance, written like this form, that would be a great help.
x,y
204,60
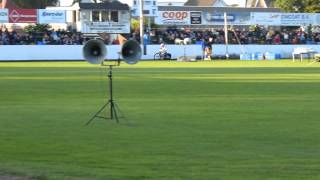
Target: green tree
x,y
37,4
308,6
37,28
135,25
312,6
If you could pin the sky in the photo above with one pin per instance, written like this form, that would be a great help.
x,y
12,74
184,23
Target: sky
x,y
68,2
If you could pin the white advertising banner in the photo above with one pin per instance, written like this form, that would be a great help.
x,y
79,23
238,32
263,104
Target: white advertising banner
x,y
51,16
4,18
266,18
173,18
297,19
284,19
105,27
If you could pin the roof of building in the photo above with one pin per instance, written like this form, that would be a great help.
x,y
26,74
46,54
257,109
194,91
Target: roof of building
x,y
268,2
115,5
200,2
258,3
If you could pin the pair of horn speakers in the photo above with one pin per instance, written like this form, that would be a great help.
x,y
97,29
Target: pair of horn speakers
x,y
95,52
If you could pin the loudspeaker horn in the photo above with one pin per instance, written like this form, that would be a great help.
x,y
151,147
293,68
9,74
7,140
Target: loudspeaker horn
x,y
94,51
131,52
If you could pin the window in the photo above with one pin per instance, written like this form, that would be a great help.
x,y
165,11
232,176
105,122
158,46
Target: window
x,y
74,16
133,11
146,12
154,3
78,16
134,2
95,16
105,16
147,3
85,16
114,16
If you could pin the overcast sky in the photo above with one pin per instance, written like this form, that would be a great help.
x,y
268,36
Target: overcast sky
x,y
241,2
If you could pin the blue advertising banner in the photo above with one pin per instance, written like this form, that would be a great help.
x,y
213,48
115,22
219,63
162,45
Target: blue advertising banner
x,y
4,17
214,18
317,21
51,16
266,18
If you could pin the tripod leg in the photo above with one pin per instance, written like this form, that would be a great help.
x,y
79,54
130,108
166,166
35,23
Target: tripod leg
x,y
97,113
120,111
114,111
111,110
121,114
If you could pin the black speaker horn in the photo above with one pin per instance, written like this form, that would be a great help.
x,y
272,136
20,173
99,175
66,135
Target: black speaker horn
x,y
94,51
131,52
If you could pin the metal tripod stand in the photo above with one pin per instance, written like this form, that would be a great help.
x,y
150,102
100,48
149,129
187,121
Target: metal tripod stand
x,y
114,108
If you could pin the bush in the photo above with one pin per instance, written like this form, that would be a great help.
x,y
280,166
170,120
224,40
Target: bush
x,y
37,28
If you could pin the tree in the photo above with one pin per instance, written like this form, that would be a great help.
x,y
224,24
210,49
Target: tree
x,y
40,28
290,5
312,6
135,25
36,4
308,6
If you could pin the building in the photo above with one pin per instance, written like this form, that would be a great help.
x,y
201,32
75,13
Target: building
x,y
258,3
150,8
226,3
212,3
171,3
87,17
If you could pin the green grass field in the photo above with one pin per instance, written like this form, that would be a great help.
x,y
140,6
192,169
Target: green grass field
x,y
197,121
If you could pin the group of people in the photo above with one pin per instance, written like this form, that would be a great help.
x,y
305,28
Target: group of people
x,y
255,35
50,37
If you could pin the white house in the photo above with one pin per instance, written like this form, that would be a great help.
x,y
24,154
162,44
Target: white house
x,y
89,17
150,8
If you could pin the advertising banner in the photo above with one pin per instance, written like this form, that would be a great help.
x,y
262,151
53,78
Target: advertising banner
x,y
297,19
173,18
22,16
214,18
196,18
4,18
317,21
51,16
236,18
266,18
105,27
284,19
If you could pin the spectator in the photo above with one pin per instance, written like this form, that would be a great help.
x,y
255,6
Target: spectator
x,y
255,35
277,39
163,49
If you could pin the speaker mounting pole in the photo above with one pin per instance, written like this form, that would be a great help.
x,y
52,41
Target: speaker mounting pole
x,y
114,108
